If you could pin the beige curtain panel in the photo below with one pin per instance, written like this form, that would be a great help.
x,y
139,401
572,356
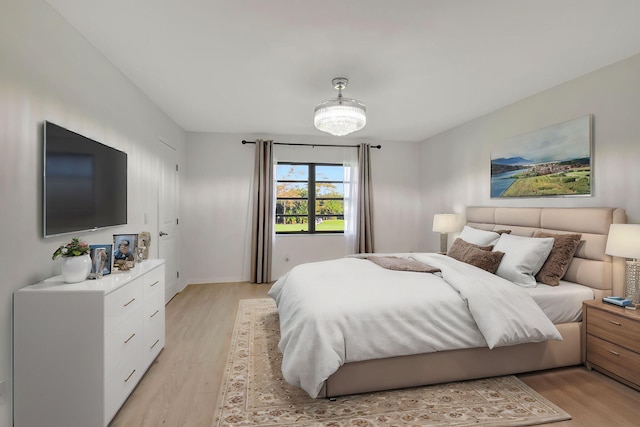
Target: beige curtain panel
x,y
364,231
262,225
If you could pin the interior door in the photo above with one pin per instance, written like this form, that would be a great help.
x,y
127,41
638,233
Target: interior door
x,y
168,216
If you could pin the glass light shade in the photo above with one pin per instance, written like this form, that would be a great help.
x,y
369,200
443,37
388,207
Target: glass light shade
x,y
624,241
340,116
445,223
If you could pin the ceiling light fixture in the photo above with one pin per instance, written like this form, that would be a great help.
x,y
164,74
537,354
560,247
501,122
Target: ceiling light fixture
x,y
340,116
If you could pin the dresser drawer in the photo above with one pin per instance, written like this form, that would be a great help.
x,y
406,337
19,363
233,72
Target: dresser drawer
x,y
154,336
615,359
615,328
122,302
153,289
153,309
126,342
154,284
119,384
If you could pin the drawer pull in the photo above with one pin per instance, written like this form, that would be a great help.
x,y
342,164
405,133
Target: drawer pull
x,y
130,375
615,323
130,338
157,311
154,344
132,300
155,283
615,353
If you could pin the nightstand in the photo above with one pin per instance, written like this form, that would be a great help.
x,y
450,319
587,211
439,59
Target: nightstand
x,y
612,336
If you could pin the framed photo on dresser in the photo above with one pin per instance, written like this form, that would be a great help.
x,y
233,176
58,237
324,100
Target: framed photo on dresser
x,y
124,251
101,260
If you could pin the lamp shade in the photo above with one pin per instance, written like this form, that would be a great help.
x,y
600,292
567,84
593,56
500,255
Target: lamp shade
x,y
624,241
445,223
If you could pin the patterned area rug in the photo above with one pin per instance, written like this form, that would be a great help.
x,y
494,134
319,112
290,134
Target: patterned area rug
x,y
253,392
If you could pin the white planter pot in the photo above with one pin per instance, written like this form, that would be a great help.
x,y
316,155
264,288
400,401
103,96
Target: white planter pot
x,y
76,268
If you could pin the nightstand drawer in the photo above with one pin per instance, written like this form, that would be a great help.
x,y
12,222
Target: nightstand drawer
x,y
615,328
615,359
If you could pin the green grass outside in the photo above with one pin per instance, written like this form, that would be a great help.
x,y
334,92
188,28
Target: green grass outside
x,y
331,225
328,225
576,181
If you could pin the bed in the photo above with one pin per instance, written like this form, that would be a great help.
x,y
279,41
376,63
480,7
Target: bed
x,y
589,269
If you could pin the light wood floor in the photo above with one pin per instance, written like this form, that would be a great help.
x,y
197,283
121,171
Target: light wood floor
x,y
181,387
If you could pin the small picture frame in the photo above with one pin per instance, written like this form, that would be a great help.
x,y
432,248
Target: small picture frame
x,y
101,256
124,251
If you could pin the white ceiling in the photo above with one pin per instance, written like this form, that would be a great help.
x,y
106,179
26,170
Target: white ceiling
x,y
420,66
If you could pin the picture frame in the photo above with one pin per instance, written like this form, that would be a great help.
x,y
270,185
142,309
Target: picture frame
x,y
101,260
548,162
124,251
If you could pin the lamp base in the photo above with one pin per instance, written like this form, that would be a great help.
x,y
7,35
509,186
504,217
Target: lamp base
x,y
443,242
632,274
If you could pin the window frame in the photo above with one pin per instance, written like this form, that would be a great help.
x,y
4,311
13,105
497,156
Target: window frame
x,y
311,198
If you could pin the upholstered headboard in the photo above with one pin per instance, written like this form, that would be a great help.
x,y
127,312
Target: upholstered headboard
x,y
590,265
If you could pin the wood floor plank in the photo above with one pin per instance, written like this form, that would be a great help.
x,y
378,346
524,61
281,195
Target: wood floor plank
x,y
588,396
181,387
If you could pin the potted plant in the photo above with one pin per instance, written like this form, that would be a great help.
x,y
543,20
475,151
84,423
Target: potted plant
x,y
76,263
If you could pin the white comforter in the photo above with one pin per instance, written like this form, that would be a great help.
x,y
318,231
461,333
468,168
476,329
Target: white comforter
x,y
351,309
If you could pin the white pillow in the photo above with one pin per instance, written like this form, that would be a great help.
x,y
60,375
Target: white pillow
x,y
478,237
523,258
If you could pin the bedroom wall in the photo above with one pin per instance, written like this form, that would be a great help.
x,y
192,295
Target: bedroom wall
x,y
49,72
217,204
455,167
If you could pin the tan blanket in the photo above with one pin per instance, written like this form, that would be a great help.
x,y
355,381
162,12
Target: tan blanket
x,y
403,264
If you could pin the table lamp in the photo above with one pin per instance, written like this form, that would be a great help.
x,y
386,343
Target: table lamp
x,y
445,224
624,241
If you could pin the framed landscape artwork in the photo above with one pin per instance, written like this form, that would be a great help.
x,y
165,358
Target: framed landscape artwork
x,y
554,161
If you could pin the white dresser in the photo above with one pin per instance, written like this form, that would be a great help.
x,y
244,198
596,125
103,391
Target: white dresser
x,y
81,348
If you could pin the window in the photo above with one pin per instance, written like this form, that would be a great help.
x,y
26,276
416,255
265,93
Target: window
x,y
299,210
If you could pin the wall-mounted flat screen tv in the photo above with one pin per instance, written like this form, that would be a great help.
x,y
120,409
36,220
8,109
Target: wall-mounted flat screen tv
x,y
85,183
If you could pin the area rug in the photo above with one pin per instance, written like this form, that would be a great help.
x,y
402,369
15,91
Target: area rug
x,y
253,392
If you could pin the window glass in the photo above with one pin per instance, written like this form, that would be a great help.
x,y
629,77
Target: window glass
x,y
292,190
294,199
295,172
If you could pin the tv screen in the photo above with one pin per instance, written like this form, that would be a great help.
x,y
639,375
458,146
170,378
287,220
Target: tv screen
x,y
85,183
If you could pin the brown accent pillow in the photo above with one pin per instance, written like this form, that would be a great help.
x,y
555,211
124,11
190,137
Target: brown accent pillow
x,y
461,245
502,231
557,263
478,256
402,264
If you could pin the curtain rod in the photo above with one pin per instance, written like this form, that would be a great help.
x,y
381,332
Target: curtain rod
x,y
313,145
